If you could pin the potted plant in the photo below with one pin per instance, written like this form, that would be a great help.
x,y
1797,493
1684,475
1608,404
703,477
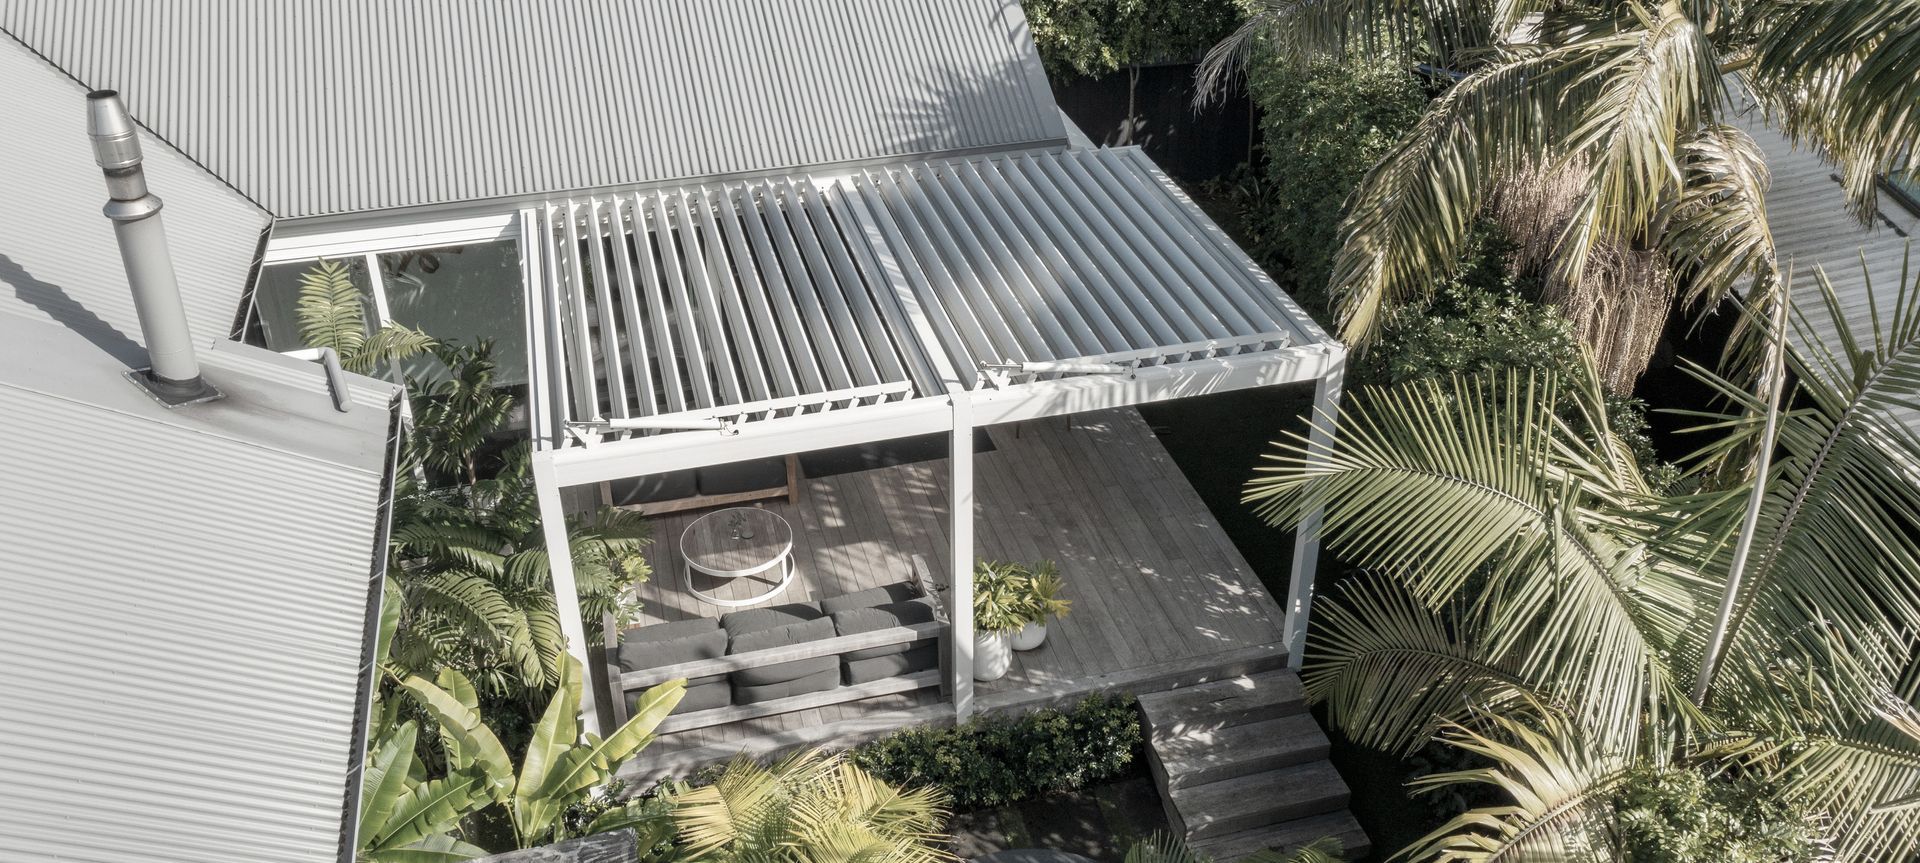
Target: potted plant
x,y
1041,602
999,611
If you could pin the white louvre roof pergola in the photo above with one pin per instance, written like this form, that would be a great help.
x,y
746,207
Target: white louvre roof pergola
x,y
694,325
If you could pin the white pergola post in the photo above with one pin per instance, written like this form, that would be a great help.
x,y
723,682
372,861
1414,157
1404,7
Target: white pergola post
x,y
1306,540
960,491
566,595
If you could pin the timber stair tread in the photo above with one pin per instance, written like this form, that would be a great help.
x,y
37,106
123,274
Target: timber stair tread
x,y
1243,767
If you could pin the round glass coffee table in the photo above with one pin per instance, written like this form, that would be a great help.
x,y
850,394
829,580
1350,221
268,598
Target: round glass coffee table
x,y
738,543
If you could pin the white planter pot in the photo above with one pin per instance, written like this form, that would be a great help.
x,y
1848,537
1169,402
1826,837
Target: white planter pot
x,y
992,655
1030,636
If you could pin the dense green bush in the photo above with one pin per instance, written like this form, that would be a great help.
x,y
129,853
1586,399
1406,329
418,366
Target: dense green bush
x,y
996,760
1324,124
1683,816
1094,37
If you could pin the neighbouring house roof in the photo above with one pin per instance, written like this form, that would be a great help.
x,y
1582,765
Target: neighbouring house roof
x,y
1807,211
780,297
314,107
183,634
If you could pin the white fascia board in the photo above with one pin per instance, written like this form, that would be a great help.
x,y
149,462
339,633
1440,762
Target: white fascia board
x,y
645,456
293,244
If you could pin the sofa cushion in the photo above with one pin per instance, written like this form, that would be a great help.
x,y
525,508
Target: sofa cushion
x,y
705,696
783,636
672,643
923,657
820,682
853,621
740,623
883,595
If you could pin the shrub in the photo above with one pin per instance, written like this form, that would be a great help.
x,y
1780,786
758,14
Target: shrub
x,y
1681,816
1094,37
996,760
1324,124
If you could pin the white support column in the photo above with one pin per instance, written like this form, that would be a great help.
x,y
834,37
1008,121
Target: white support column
x,y
553,522
960,588
1306,540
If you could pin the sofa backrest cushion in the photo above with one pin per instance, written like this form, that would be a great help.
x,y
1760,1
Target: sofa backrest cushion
x,y
854,621
740,623
782,636
671,644
883,595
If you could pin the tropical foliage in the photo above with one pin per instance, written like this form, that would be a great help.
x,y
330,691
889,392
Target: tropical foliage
x,y
1162,848
1533,601
469,559
332,315
997,760
1609,134
407,816
808,808
1094,37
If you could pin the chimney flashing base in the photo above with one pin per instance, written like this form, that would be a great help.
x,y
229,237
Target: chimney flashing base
x,y
174,394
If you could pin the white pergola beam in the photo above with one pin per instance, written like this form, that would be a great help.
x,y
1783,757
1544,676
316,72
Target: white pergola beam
x,y
1306,540
960,556
891,420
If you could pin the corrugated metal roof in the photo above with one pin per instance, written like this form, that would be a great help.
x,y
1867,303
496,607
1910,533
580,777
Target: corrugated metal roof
x,y
1807,210
184,590
55,244
327,106
776,296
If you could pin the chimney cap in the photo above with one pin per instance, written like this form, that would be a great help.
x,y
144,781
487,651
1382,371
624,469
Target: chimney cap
x,y
116,141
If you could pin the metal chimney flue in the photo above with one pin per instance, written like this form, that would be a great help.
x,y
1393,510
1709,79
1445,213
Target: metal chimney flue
x,y
174,375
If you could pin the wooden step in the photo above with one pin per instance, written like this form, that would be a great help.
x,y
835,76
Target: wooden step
x,y
1238,750
1212,706
1290,836
1243,803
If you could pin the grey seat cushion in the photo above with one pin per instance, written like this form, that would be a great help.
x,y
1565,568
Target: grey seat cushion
x,y
783,636
820,682
853,621
883,595
924,656
740,623
672,643
704,696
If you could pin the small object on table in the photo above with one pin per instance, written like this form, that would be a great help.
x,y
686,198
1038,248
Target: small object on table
x,y
738,543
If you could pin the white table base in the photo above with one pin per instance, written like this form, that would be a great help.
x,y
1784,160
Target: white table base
x,y
786,578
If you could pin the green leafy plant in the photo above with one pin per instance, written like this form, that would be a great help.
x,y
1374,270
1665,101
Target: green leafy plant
x,y
805,808
996,760
999,596
1094,37
560,766
1044,587
1534,602
1164,848
332,315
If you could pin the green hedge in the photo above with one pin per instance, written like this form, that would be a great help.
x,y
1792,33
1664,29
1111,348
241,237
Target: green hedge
x,y
997,760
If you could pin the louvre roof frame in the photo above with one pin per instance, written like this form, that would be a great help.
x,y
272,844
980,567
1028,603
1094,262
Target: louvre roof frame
x,y
749,307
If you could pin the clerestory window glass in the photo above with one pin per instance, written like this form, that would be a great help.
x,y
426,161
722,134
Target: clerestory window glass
x,y
461,295
277,298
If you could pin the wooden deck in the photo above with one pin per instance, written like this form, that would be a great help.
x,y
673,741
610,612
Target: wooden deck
x,y
1157,588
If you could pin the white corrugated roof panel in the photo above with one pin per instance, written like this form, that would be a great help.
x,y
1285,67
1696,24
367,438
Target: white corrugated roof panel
x,y
184,592
325,106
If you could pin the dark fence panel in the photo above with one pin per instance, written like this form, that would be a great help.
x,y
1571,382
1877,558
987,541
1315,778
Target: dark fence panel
x,y
1152,106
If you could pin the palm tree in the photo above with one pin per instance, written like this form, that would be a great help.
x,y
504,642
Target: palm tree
x,y
1607,131
469,559
332,315
809,808
1532,601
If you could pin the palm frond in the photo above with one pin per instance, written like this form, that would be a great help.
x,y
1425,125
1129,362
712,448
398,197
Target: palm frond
x,y
1843,75
330,310
387,346
1559,786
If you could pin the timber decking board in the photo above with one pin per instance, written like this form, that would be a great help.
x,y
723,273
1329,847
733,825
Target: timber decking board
x,y
1152,576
